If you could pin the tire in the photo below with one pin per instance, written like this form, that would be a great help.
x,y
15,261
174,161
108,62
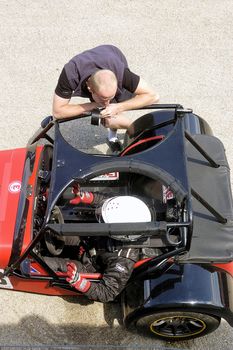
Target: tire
x,y
174,326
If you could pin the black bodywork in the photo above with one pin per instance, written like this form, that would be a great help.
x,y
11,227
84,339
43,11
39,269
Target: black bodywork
x,y
190,162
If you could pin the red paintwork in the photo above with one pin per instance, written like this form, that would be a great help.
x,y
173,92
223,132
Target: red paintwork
x,y
38,287
11,170
226,267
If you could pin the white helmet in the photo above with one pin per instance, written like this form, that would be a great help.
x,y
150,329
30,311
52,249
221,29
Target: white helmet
x,y
122,209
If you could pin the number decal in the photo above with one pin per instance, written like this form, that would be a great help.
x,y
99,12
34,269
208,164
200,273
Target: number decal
x,y
14,187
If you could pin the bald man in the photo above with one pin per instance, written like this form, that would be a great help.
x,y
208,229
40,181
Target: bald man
x,y
102,75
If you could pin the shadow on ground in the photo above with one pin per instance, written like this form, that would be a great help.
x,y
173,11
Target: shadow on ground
x,y
37,333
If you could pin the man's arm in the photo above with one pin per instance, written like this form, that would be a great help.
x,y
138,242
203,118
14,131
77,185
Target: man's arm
x,y
144,97
114,279
63,109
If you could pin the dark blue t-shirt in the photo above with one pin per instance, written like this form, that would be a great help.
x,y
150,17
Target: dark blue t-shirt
x,y
72,81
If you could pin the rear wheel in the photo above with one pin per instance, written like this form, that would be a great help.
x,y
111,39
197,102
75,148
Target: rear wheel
x,y
174,326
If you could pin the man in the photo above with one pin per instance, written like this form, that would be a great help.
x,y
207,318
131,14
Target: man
x,y
107,256
102,75
116,268
116,265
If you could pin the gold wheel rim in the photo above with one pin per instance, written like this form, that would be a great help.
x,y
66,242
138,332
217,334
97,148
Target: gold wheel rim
x,y
176,324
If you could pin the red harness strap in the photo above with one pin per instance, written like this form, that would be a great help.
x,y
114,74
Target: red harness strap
x,y
158,138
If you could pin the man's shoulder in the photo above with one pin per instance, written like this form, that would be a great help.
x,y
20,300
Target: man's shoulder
x,y
102,50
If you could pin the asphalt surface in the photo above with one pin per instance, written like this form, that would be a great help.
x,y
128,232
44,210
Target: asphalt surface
x,y
184,49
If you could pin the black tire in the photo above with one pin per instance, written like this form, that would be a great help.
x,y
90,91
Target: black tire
x,y
174,326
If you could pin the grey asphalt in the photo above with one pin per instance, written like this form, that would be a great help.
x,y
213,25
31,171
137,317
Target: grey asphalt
x,y
184,49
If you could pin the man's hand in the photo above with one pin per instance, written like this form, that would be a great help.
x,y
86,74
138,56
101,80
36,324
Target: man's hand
x,y
143,96
74,278
111,110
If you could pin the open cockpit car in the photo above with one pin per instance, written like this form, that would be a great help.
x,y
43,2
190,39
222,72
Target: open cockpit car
x,y
182,286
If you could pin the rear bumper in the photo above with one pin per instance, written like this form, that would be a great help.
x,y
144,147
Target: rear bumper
x,y
183,287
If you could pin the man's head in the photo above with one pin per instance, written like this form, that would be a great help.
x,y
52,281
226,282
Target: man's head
x,y
103,86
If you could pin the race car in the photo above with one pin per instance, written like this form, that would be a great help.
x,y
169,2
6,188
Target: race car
x,y
182,285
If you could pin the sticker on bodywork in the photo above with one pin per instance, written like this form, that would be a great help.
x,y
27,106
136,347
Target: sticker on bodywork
x,y
14,187
107,177
5,281
34,271
167,194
